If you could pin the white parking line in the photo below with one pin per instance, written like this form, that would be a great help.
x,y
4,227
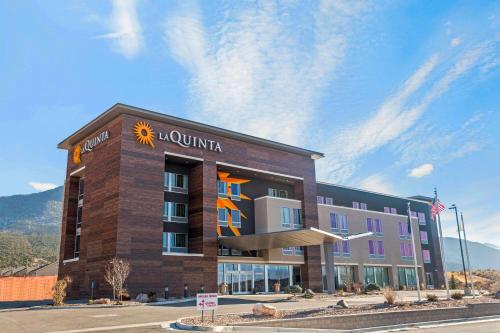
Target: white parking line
x,y
105,315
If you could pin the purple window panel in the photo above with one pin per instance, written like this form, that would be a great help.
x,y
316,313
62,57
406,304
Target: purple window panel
x,y
387,210
378,225
401,230
371,247
369,224
380,245
336,247
333,221
402,249
345,247
394,211
409,250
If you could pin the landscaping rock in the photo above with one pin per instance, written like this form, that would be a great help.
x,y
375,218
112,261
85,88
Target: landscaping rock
x,y
260,309
143,298
343,304
102,301
309,293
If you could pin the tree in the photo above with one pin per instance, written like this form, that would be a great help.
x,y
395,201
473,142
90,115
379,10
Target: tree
x,y
115,273
453,282
59,291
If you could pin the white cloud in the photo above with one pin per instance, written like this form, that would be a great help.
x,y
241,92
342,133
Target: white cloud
x,y
42,186
126,30
395,116
255,68
455,42
421,171
376,183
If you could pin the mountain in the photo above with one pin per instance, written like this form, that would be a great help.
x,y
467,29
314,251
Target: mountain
x,y
482,256
32,213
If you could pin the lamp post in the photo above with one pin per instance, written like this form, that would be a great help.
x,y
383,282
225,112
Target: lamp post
x,y
454,207
413,235
441,245
467,254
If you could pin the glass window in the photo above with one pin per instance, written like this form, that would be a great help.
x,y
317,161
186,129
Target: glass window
x,y
283,194
80,189
421,219
165,242
413,214
285,217
409,250
297,218
222,216
272,192
344,227
426,255
166,209
387,210
79,211
166,180
180,210
378,226
355,204
178,240
423,237
363,206
394,211
287,251
371,248
279,274
329,201
320,199
222,189
336,249
380,248
180,181
236,218
77,246
235,191
346,248
369,224
259,278
333,222
299,250
402,250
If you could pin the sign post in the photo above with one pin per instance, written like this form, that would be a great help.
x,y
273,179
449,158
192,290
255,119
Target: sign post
x,y
207,301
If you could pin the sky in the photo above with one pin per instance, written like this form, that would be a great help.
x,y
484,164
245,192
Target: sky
x,y
401,96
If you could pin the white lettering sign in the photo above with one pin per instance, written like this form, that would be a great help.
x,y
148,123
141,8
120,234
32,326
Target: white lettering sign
x,y
187,141
207,301
90,144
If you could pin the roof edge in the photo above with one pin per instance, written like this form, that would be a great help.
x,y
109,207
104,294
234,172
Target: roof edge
x,y
112,113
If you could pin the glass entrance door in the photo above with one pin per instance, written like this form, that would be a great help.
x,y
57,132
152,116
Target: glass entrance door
x,y
235,282
246,282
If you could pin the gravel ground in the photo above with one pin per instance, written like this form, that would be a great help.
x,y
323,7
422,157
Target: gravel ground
x,y
232,319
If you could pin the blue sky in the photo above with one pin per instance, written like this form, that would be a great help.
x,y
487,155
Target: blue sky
x,y
401,96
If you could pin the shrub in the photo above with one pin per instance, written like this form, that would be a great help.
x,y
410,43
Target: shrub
x,y
152,297
432,297
59,290
348,285
295,289
372,287
358,287
453,282
494,287
389,295
457,295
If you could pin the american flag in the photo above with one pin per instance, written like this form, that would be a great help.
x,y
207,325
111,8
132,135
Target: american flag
x,y
437,207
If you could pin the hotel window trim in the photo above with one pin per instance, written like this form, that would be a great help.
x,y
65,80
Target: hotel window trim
x,y
297,218
175,212
235,192
426,256
236,218
285,217
175,242
176,182
221,189
222,217
424,238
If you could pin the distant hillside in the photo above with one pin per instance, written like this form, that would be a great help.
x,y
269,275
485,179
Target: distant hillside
x,y
32,213
482,256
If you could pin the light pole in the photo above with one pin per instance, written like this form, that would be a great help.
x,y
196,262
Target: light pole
x,y
413,235
467,254
441,245
454,207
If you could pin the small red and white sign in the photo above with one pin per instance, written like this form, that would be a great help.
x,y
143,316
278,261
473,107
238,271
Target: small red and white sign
x,y
208,301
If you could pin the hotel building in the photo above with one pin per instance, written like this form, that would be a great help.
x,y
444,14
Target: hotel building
x,y
192,206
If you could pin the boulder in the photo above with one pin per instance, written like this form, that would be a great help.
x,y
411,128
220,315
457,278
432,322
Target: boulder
x,y
260,309
102,301
143,298
343,304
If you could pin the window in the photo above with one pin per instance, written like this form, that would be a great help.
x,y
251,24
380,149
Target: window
x,y
369,224
371,248
77,247
180,210
222,216
283,194
378,227
80,189
344,228
336,250
355,204
421,219
394,211
79,216
334,226
175,182
297,218
403,230
222,189
180,181
236,218
320,199
387,210
272,192
409,250
413,214
285,217
380,248
299,250
390,210
402,250
174,242
426,255
235,191
329,201
175,212
287,251
423,237
363,206
346,248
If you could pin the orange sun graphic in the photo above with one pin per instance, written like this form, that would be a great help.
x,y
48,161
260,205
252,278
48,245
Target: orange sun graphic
x,y
144,133
77,152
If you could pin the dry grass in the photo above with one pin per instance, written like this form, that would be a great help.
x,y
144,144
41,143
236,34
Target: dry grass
x,y
389,295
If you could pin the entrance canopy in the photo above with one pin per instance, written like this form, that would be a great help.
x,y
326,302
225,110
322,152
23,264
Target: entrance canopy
x,y
279,239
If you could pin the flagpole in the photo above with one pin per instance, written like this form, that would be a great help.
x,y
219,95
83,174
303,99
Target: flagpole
x,y
441,245
467,255
417,278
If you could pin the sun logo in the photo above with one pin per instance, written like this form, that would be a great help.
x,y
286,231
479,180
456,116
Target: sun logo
x,y
77,153
144,133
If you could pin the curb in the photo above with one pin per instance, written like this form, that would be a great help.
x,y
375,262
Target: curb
x,y
179,325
